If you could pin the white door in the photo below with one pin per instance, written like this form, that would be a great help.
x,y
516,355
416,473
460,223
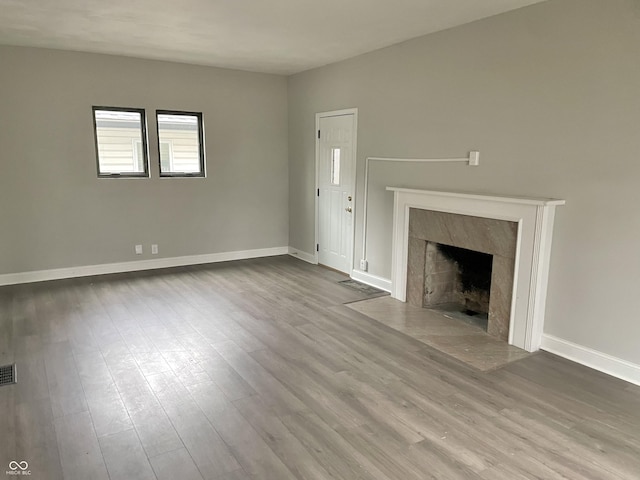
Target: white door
x,y
336,174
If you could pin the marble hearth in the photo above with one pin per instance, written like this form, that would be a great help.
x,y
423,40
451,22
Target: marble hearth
x,y
431,280
486,223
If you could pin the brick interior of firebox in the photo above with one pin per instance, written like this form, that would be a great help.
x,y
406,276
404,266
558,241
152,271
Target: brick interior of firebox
x,y
458,282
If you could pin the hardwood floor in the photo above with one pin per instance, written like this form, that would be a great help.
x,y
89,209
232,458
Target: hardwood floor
x,y
255,370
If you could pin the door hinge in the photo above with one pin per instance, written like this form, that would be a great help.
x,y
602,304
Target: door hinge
x,y
318,133
318,192
317,247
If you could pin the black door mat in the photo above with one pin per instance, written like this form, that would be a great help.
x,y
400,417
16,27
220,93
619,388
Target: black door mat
x,y
361,287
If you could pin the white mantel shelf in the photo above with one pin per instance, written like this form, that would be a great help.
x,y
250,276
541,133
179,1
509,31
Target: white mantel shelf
x,y
479,196
534,216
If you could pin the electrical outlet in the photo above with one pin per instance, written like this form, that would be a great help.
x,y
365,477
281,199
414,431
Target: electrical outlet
x,y
364,265
154,249
138,249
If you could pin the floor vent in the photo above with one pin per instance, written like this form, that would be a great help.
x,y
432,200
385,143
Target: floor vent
x,y
7,374
361,287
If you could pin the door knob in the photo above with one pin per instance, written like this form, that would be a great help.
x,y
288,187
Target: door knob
x,y
348,209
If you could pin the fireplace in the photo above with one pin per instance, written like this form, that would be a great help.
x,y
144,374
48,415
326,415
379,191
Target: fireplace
x,y
515,231
464,264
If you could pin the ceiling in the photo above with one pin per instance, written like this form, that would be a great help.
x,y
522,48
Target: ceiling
x,y
274,36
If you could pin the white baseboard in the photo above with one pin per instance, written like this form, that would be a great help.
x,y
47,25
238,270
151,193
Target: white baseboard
x,y
106,268
592,358
302,255
372,280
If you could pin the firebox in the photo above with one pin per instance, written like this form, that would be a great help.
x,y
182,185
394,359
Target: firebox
x,y
458,280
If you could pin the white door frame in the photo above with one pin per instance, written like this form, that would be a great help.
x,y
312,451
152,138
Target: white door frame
x,y
352,233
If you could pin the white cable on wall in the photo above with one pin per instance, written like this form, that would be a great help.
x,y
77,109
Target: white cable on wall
x,y
473,160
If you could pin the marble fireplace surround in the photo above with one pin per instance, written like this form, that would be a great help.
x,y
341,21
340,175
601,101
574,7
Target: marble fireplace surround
x,y
497,238
534,218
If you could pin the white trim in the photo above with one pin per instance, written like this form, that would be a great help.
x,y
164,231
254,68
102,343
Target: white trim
x,y
371,280
302,255
477,196
533,249
136,160
170,143
602,362
107,268
354,165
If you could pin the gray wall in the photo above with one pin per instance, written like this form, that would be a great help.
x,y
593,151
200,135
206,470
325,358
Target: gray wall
x,y
549,95
55,212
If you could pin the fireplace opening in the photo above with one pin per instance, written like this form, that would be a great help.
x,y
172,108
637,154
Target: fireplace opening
x,y
458,282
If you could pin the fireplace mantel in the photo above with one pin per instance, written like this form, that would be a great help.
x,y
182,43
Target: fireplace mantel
x,y
535,218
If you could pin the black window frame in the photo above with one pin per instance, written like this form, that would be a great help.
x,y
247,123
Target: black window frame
x,y
145,143
202,173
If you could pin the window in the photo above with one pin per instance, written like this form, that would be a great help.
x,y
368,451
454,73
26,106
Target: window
x,y
121,142
181,144
335,166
